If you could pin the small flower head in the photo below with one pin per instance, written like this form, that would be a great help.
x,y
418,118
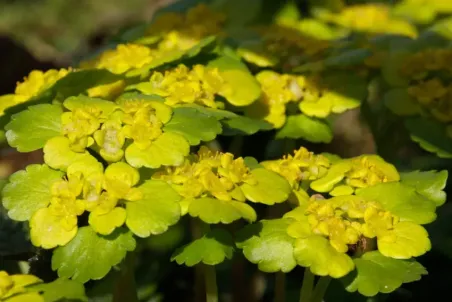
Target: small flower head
x,y
182,85
124,58
36,82
302,166
209,173
346,176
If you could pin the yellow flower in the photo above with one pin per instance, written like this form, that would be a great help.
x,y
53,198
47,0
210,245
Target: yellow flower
x,y
182,85
209,173
79,125
428,91
107,91
348,175
124,58
38,81
372,18
11,285
111,139
183,31
303,165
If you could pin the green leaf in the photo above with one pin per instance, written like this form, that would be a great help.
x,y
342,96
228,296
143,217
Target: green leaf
x,y
78,82
216,113
305,127
30,129
60,289
29,190
239,13
212,210
193,125
243,125
244,87
431,135
169,149
379,274
271,187
156,211
430,184
400,102
401,200
59,155
267,244
173,56
322,259
348,58
211,249
391,66
90,256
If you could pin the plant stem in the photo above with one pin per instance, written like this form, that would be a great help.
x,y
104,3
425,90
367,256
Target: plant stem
x,y
125,287
210,279
307,286
320,289
280,287
196,232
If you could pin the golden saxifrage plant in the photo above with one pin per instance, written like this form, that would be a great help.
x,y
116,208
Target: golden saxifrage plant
x,y
130,142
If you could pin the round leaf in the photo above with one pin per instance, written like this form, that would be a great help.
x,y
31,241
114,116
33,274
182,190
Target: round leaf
x,y
305,127
193,125
158,209
169,149
244,87
58,154
400,102
211,210
243,125
91,256
271,187
211,249
29,190
430,135
430,184
401,200
379,274
316,253
268,245
60,289
30,129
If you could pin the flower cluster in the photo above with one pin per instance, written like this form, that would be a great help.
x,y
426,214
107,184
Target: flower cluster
x,y
372,18
208,174
346,225
183,85
314,97
183,31
302,166
106,127
283,46
85,187
32,85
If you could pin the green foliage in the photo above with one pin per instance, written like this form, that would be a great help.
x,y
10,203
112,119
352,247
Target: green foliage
x,y
134,138
256,240
211,249
60,289
193,125
377,273
29,130
90,256
29,190
155,212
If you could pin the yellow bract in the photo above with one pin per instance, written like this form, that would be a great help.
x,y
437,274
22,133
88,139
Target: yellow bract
x,y
183,31
15,284
37,81
124,58
209,173
372,18
303,165
182,85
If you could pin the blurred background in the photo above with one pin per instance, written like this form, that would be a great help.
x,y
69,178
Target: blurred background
x,y
44,34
